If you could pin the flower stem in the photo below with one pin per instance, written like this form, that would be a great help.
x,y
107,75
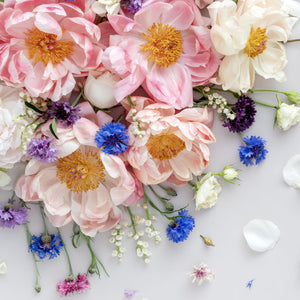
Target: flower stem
x,y
263,90
44,221
78,97
132,220
67,254
265,104
147,211
29,238
12,197
291,41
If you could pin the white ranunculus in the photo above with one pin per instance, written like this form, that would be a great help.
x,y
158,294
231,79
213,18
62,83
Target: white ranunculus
x,y
288,115
207,192
99,89
11,126
103,7
250,34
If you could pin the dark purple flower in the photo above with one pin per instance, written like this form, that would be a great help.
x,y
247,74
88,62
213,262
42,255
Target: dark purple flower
x,y
69,285
245,112
63,112
11,216
42,150
132,6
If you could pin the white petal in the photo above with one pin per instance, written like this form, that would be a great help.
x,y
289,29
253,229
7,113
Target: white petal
x,y
4,179
291,171
3,268
261,235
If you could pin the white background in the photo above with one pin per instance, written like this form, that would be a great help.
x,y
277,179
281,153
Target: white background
x,y
261,194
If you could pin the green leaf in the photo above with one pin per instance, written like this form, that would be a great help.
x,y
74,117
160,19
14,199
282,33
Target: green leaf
x,y
53,128
31,106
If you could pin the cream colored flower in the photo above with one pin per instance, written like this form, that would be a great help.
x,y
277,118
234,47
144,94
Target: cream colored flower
x,y
102,7
207,192
288,115
3,268
250,34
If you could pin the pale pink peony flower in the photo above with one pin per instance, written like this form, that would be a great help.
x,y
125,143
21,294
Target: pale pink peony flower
x,y
166,146
167,55
85,184
44,45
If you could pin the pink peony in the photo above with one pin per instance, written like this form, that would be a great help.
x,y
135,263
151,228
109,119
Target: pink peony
x,y
166,146
85,184
167,55
44,45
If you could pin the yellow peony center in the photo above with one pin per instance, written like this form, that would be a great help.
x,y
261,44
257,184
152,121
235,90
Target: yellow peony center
x,y
81,171
165,146
46,48
256,43
163,44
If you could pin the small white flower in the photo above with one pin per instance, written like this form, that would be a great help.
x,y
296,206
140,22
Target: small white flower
x,y
261,235
3,268
201,273
288,115
114,253
208,191
101,7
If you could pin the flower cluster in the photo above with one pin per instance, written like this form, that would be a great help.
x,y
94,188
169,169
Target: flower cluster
x,y
105,101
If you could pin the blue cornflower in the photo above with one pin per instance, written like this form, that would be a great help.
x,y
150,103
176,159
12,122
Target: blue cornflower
x,y
112,138
254,150
42,149
179,229
46,244
63,112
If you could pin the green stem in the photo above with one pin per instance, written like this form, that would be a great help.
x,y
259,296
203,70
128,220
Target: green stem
x,y
192,184
265,104
291,41
12,197
163,200
78,98
67,254
130,101
132,220
263,90
29,238
147,211
44,221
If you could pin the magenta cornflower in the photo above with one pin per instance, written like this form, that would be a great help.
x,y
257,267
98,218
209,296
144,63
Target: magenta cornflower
x,y
69,285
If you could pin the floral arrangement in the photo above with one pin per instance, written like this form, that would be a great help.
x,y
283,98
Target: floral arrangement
x,y
109,104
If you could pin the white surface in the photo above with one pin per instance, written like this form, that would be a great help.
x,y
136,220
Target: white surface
x,y
261,194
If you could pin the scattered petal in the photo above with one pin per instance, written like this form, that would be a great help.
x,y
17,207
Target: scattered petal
x,y
261,235
207,241
129,293
249,284
3,268
291,171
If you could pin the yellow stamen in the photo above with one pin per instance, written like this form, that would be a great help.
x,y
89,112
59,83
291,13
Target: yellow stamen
x,y
46,48
256,43
165,146
163,44
81,171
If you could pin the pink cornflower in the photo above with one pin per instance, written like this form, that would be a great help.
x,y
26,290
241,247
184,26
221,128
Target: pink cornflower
x,y
68,285
201,273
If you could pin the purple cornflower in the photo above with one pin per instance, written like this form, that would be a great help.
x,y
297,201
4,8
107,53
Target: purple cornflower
x,y
46,244
245,112
133,6
253,151
71,285
42,149
179,229
11,216
63,113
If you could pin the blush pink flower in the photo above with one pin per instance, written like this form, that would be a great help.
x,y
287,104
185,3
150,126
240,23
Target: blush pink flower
x,y
166,146
167,55
45,45
68,286
84,184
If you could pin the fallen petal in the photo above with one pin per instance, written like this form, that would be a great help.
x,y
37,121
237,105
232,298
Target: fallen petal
x,y
261,235
291,171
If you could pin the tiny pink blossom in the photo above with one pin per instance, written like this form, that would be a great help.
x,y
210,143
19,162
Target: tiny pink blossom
x,y
201,273
68,286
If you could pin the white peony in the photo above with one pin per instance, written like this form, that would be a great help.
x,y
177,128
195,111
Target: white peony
x,y
288,115
11,126
250,34
99,89
103,7
207,192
